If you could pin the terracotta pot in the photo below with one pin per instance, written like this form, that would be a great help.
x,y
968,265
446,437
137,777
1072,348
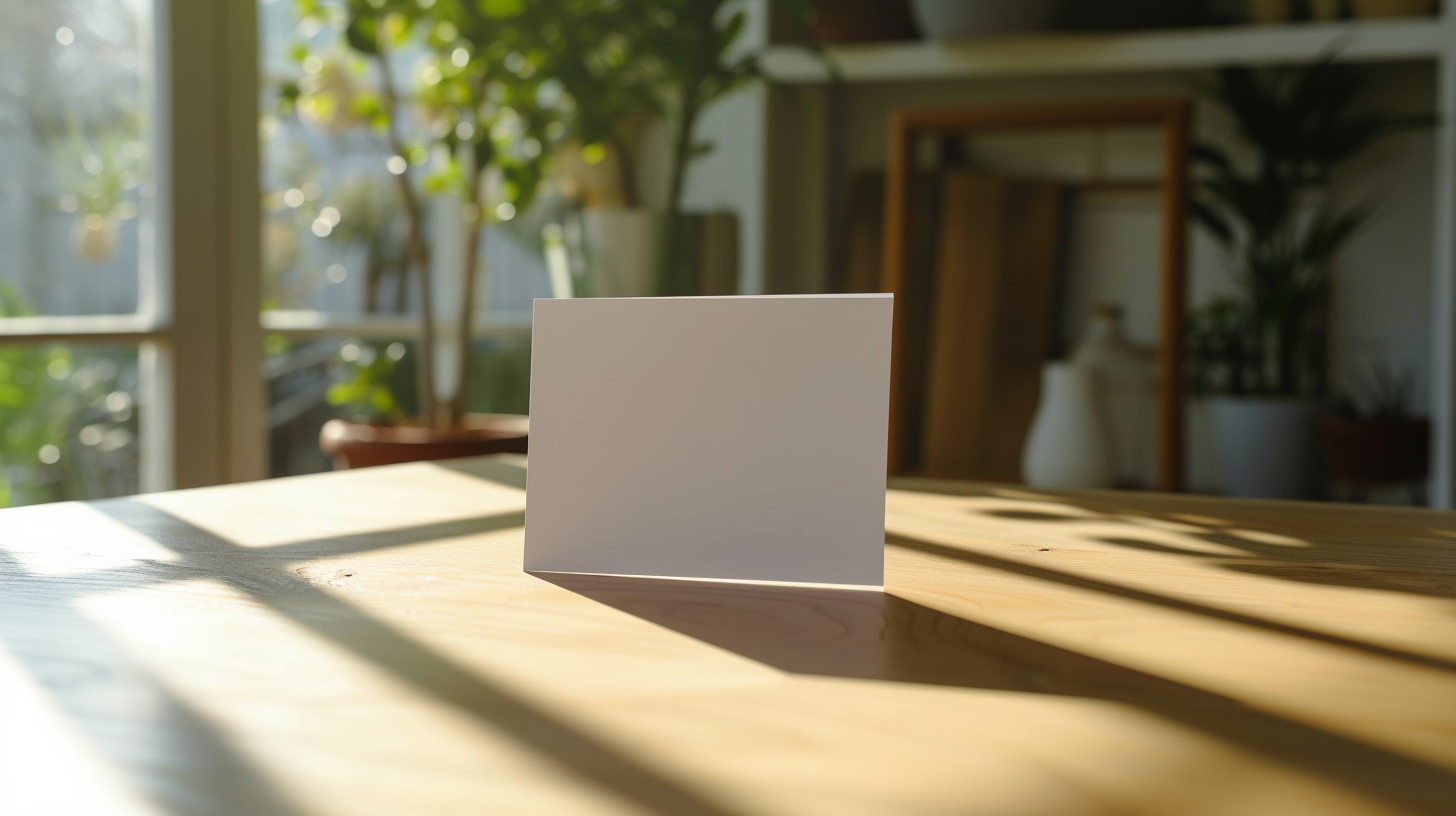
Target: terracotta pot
x,y
854,21
357,444
1377,452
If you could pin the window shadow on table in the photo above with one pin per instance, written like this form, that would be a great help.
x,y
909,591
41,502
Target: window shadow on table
x,y
880,636
1405,550
864,634
174,757
984,559
214,774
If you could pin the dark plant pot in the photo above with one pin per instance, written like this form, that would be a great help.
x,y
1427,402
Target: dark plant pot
x,y
358,444
1377,452
856,21
1268,446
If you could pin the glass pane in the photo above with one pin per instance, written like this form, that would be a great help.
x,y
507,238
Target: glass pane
x,y
74,178
313,381
68,422
334,231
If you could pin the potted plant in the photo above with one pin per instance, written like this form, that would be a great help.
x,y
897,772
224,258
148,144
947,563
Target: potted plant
x,y
473,132
1375,440
1263,351
99,168
659,66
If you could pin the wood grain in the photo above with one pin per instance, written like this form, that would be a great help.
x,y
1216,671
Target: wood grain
x,y
991,323
365,642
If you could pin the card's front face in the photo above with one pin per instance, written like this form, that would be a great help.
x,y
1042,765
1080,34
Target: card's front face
x,y
730,438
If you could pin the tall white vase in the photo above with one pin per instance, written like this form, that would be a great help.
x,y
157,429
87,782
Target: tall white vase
x,y
1069,445
1125,378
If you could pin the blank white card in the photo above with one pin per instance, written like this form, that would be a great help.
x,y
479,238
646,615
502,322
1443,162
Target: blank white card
x,y
718,437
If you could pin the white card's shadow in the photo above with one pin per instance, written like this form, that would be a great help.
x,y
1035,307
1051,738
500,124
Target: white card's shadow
x,y
862,634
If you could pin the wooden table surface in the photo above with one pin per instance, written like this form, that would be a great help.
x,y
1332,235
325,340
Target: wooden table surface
x,y
365,642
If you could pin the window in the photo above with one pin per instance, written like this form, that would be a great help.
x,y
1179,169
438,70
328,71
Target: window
x,y
120,366
336,292
75,213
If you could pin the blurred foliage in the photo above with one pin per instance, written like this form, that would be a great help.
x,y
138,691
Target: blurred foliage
x,y
370,375
98,166
501,380
626,61
1385,392
478,88
45,392
1277,218
493,90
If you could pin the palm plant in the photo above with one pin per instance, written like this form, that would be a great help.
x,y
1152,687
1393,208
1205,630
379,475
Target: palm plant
x,y
1276,216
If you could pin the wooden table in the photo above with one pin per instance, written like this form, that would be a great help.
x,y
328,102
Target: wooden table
x,y
365,643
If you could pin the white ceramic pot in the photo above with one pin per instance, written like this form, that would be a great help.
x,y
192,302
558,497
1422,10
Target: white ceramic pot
x,y
1267,446
959,19
93,238
1069,445
617,252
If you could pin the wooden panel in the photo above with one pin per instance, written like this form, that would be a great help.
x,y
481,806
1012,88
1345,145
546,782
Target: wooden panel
x,y
365,642
992,324
862,246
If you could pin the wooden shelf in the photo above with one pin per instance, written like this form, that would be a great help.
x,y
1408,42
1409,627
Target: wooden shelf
x,y
1054,54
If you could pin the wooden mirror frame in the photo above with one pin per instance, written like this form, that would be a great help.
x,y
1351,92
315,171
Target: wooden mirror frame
x,y
1172,116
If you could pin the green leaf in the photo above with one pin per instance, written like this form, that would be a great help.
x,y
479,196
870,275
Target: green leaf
x,y
362,34
382,400
1206,215
502,8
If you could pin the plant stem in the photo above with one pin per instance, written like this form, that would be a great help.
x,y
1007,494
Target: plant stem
x,y
417,253
626,172
682,149
671,278
459,401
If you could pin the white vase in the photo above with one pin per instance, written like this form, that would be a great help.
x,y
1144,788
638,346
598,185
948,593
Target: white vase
x,y
619,248
93,238
1267,446
1069,445
1125,377
618,252
957,19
